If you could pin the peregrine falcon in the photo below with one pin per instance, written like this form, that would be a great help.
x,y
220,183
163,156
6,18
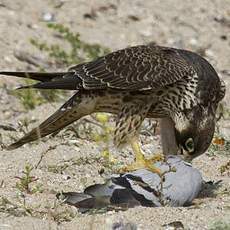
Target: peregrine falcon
x,y
135,83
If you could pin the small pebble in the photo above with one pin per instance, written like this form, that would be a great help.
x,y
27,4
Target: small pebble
x,y
223,37
123,226
193,42
209,53
66,177
48,17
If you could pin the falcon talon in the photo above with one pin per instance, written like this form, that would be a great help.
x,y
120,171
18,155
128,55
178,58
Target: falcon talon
x,y
140,164
156,158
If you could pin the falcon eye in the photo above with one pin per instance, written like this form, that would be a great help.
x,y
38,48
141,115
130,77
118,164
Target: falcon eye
x,y
189,144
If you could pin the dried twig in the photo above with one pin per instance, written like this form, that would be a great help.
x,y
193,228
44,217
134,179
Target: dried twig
x,y
43,154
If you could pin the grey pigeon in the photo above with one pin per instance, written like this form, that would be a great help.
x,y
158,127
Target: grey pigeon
x,y
181,184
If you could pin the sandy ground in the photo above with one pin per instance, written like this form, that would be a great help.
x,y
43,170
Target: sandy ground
x,y
196,25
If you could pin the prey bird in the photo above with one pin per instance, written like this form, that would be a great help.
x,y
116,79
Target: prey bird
x,y
147,81
141,187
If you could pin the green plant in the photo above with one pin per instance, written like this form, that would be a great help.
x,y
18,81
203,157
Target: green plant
x,y
223,111
220,144
7,206
104,136
24,183
77,50
54,211
59,214
225,168
220,225
28,97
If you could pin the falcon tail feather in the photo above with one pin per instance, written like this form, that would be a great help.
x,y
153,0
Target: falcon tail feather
x,y
50,80
43,77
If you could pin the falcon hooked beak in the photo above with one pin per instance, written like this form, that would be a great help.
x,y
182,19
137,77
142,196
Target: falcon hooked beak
x,y
196,138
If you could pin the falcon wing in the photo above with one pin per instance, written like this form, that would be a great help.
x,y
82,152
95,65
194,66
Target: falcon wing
x,y
134,68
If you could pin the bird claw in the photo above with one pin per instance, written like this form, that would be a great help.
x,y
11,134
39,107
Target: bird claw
x,y
144,164
157,157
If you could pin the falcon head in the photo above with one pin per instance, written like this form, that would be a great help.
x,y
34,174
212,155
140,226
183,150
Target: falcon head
x,y
194,127
194,133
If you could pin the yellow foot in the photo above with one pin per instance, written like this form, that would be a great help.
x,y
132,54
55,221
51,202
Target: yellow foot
x,y
142,163
157,157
